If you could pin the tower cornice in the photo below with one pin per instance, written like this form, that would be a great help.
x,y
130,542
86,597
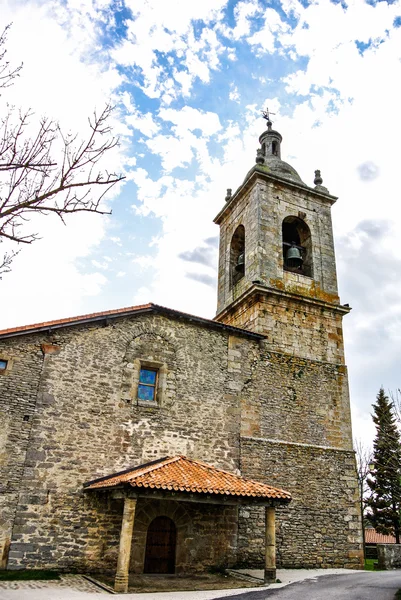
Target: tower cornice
x,y
262,172
263,290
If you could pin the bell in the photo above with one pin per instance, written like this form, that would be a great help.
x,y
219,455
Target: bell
x,y
240,266
294,258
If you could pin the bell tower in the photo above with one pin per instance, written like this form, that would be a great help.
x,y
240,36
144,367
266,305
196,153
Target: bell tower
x,y
277,277
277,271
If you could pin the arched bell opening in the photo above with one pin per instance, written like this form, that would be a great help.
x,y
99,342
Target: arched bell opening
x,y
297,246
237,255
160,550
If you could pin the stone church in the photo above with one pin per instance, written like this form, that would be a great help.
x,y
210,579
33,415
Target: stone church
x,y
145,439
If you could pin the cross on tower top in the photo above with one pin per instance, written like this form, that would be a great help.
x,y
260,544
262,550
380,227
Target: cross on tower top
x,y
266,115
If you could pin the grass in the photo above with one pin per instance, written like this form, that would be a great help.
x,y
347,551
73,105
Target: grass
x,y
26,575
369,564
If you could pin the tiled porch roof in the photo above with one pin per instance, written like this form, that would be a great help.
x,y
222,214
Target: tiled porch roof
x,y
181,474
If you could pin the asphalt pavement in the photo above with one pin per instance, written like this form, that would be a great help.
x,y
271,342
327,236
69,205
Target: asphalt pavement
x,y
363,585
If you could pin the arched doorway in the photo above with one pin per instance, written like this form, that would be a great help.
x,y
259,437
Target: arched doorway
x,y
160,546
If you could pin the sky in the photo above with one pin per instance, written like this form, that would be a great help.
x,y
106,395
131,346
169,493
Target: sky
x,y
189,80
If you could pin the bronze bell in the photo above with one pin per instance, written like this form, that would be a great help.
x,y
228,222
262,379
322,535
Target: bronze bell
x,y
294,258
240,266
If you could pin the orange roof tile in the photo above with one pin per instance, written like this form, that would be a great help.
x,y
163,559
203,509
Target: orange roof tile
x,y
372,537
72,320
182,474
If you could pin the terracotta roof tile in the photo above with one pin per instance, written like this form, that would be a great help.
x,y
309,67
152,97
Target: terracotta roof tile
x,y
118,312
179,473
372,537
72,320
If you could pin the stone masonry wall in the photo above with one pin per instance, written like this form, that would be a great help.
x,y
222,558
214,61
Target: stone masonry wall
x,y
206,534
321,527
227,400
18,389
389,556
301,401
292,326
87,424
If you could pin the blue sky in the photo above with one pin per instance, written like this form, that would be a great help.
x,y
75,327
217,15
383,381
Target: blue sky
x,y
189,80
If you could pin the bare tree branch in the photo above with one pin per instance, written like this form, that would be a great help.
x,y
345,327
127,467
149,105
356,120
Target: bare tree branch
x,y
363,455
7,74
5,264
32,179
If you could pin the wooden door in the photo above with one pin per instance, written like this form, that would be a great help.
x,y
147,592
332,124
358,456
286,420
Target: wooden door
x,y
160,546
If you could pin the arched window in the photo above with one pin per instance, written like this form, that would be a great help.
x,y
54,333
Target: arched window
x,y
160,546
297,246
237,255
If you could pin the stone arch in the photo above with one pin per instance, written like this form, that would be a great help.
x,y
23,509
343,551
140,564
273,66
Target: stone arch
x,y
147,326
237,255
147,511
160,546
296,233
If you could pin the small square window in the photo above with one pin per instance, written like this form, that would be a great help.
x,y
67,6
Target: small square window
x,y
147,385
3,364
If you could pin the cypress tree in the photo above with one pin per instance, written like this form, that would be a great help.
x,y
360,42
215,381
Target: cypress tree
x,y
384,504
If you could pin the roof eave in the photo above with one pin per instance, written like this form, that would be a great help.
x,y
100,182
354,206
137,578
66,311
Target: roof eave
x,y
109,316
126,489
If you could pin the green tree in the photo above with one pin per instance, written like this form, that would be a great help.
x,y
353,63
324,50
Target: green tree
x,y
384,503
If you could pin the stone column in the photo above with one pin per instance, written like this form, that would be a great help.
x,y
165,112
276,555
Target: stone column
x,y
124,553
270,545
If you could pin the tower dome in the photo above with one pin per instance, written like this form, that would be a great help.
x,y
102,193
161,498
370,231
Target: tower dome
x,y
269,154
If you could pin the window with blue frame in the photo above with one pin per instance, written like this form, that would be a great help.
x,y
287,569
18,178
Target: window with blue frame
x,y
3,364
147,384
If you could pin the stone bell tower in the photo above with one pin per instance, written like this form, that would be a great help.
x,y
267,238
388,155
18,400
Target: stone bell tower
x,y
277,271
277,277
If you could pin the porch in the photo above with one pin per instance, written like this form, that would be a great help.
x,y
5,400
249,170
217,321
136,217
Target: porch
x,y
178,491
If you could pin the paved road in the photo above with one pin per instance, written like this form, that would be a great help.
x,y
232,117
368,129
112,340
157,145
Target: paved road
x,y
358,586
361,585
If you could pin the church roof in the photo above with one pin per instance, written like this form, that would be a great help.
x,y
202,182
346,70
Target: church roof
x,y
182,474
124,312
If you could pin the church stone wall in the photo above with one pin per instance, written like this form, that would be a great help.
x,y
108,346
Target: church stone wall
x,y
301,401
321,527
18,389
291,326
206,534
85,423
77,385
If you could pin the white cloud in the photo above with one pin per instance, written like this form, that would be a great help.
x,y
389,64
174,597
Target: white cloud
x,y
234,93
190,119
143,261
264,40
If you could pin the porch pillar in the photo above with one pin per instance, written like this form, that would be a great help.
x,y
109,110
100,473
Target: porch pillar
x,y
127,527
270,545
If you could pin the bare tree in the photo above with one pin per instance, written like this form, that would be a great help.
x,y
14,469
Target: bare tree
x,y
33,180
363,455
